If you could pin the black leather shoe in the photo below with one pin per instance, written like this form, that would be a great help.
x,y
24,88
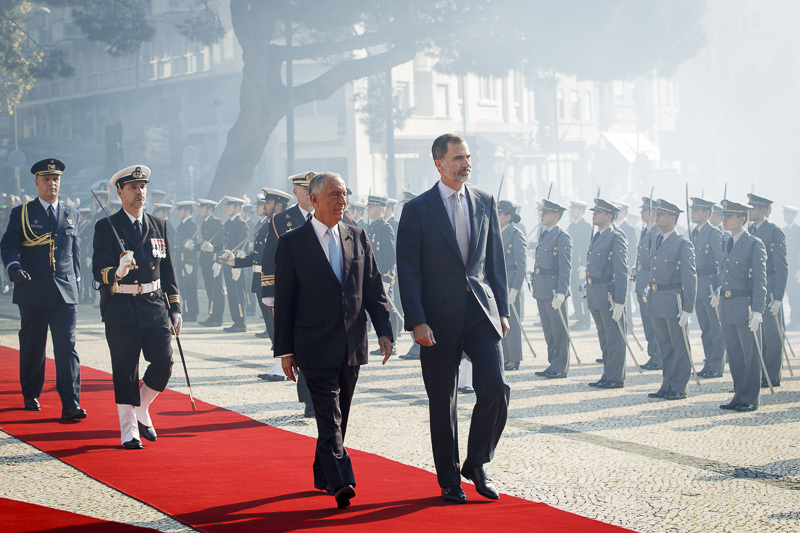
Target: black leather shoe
x,y
675,396
309,410
556,375
711,375
236,328
466,390
597,383
326,489
483,484
73,414
598,361
208,323
512,367
454,494
659,394
611,385
32,404
344,495
746,407
542,373
729,406
409,357
133,444
263,335
765,385
147,432
272,377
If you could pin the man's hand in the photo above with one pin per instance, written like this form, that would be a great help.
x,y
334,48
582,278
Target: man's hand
x,y
616,311
558,299
683,318
755,321
20,277
289,366
188,269
423,335
512,296
775,306
386,347
216,268
714,299
226,256
126,262
504,325
189,244
177,322
207,247
581,272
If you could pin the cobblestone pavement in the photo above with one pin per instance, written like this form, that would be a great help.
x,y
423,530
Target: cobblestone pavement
x,y
616,456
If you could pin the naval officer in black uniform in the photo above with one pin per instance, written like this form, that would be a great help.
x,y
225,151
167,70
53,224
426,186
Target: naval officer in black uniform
x,y
210,237
186,258
41,254
381,236
235,235
137,280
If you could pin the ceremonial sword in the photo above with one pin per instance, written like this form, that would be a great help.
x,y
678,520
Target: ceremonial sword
x,y
566,329
782,333
757,339
684,331
183,359
120,241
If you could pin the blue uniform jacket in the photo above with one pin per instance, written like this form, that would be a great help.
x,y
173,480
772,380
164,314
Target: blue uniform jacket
x,y
743,280
672,272
553,264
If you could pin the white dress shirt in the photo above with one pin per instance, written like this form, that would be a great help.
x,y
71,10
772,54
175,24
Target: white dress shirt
x,y
449,199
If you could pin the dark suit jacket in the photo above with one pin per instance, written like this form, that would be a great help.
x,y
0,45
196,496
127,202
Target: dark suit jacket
x,y
318,319
432,276
49,283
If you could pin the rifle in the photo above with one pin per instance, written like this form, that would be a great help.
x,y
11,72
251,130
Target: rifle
x,y
688,218
500,188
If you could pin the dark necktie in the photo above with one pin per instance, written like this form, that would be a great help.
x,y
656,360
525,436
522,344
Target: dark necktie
x,y
659,240
694,234
138,227
729,246
308,217
594,237
644,232
52,214
751,229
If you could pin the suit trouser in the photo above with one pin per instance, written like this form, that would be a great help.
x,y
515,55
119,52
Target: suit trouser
x,y
512,342
676,370
711,335
647,325
612,344
125,344
331,390
34,322
214,292
188,287
269,320
480,341
743,360
555,335
236,302
771,345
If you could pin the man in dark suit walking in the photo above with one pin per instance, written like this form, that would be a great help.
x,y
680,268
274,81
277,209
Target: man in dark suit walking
x,y
453,288
326,281
40,251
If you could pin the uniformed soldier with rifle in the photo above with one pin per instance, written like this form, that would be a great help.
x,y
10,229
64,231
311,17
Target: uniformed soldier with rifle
x,y
186,259
208,240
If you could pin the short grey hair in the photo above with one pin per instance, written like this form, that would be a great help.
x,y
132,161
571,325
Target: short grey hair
x,y
442,143
318,182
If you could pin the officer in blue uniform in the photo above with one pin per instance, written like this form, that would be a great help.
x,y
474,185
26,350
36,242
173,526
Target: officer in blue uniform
x,y
551,275
670,300
606,289
741,301
186,258
777,276
515,249
209,239
235,235
139,303
41,254
707,241
381,237
639,274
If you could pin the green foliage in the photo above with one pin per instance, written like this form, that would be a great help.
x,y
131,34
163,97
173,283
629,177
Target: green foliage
x,y
373,103
122,25
202,24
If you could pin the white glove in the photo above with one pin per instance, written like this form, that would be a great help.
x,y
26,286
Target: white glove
x,y
226,256
216,268
241,254
683,318
582,289
235,273
269,301
88,262
632,273
616,311
582,272
177,322
512,296
714,299
188,268
207,247
558,300
189,244
755,321
774,307
126,262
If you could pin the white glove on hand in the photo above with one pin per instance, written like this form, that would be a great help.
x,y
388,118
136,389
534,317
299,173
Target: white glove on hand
x,y
582,272
126,262
268,301
714,299
755,321
188,269
226,256
235,273
241,254
207,247
177,322
683,318
189,244
582,289
616,311
512,296
632,273
558,300
216,268
775,306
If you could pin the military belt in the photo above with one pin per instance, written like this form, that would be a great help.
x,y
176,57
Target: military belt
x,y
734,294
545,271
665,286
136,288
595,280
706,272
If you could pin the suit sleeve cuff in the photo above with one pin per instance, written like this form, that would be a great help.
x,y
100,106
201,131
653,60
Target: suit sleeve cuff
x,y
284,355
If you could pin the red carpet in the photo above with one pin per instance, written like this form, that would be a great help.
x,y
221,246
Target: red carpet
x,y
217,470
19,517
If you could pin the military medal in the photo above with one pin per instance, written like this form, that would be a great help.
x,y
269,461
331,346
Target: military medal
x,y
159,248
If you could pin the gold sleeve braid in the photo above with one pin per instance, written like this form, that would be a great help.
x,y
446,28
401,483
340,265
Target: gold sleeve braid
x,y
104,274
267,280
174,299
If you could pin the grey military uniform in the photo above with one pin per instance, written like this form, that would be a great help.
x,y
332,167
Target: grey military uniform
x,y
777,275
641,284
515,248
607,274
743,287
792,233
552,273
382,239
708,251
672,275
579,231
